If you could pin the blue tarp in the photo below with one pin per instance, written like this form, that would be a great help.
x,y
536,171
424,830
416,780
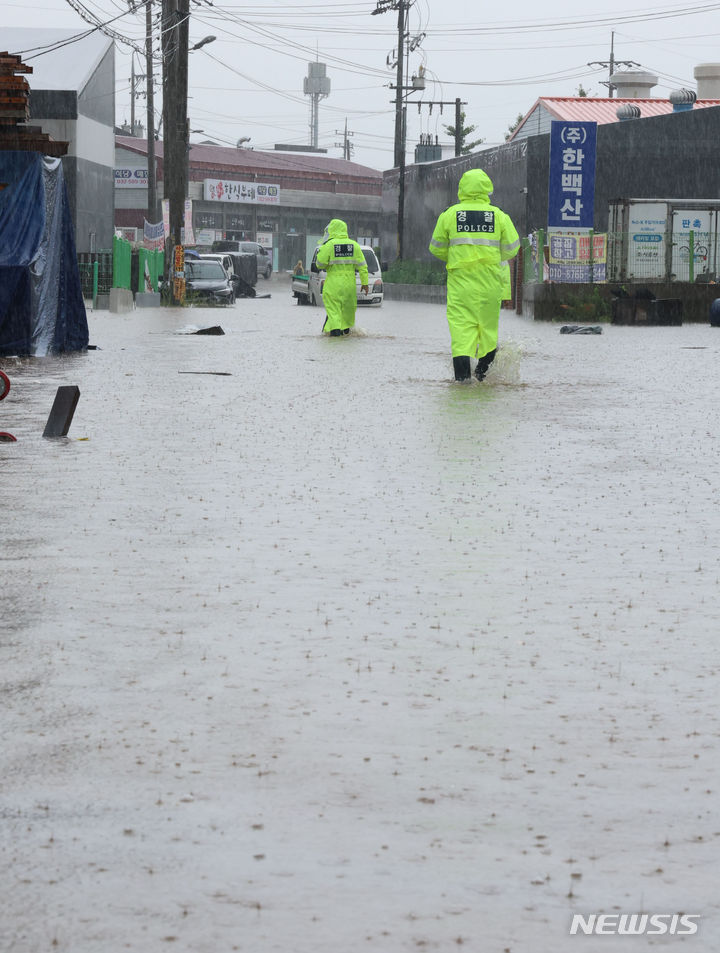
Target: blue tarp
x,y
41,304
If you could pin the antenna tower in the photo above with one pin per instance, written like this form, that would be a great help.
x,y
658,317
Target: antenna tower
x,y
316,85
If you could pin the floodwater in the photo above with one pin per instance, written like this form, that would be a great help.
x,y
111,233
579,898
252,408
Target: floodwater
x,y
306,648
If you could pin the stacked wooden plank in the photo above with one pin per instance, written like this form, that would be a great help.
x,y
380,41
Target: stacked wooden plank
x,y
15,111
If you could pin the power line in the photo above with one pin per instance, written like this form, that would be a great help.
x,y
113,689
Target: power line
x,y
303,52
89,17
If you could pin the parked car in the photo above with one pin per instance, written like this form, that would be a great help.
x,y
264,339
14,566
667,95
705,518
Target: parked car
x,y
225,261
264,263
240,269
207,281
307,289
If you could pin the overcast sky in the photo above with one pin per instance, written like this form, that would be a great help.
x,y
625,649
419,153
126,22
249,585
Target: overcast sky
x,y
249,82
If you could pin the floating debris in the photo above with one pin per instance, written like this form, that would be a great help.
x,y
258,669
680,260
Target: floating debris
x,y
581,329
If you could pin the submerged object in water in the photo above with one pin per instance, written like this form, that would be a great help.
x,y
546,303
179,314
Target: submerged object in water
x,y
581,329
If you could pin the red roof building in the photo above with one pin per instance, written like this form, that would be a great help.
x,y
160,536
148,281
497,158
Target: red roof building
x,y
584,109
283,200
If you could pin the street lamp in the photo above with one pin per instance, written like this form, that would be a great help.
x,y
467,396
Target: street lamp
x,y
204,42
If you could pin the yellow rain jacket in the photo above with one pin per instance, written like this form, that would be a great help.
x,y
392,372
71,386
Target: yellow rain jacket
x,y
473,238
340,257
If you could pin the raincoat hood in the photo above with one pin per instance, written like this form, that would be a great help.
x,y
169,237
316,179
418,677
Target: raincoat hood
x,y
474,184
335,229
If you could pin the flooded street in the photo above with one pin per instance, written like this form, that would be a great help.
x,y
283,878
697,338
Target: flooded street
x,y
306,648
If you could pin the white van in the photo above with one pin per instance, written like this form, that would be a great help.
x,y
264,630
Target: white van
x,y
312,288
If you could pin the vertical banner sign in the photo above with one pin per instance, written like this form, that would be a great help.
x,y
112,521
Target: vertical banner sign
x,y
189,238
179,274
571,194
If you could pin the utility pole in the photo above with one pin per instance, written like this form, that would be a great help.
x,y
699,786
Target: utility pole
x,y
611,64
458,127
402,90
399,117
345,145
402,7
135,79
175,31
458,104
152,182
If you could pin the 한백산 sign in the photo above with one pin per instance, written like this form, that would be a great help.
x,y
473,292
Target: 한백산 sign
x,y
571,193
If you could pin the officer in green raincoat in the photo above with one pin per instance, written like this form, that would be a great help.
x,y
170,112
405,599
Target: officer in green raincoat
x,y
473,238
340,257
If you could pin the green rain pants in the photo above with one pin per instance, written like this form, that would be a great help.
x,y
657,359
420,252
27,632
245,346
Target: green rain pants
x,y
473,310
340,298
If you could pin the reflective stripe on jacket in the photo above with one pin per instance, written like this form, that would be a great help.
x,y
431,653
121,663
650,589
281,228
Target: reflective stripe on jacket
x,y
457,247
474,231
341,254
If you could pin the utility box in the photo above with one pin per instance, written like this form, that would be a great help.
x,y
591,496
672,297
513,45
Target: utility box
x,y
645,311
663,240
428,153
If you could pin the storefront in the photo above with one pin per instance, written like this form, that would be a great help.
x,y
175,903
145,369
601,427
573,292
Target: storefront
x,y
282,201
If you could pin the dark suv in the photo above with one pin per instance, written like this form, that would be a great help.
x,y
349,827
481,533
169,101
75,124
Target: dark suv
x,y
264,263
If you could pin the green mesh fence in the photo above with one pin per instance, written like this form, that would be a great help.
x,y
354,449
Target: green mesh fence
x,y
150,268
122,261
86,265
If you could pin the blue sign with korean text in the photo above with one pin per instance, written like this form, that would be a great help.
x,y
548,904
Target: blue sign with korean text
x,y
571,194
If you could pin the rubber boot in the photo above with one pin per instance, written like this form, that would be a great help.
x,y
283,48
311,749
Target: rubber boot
x,y
461,366
483,364
336,333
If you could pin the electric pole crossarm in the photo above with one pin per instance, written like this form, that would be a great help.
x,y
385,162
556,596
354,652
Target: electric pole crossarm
x,y
345,145
611,64
458,104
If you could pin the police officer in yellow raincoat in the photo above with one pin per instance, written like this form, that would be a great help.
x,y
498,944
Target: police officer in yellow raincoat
x,y
341,257
473,238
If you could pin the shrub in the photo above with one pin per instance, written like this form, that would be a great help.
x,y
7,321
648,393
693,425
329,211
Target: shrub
x,y
408,272
587,304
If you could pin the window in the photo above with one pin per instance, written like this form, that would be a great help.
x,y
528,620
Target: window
x,y
370,259
204,270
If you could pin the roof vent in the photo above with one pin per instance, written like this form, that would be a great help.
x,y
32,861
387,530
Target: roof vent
x,y
633,84
708,80
627,111
682,99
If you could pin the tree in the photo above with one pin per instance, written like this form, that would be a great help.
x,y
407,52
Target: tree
x,y
513,126
465,147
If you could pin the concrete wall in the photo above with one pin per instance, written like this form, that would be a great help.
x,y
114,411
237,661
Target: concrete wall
x,y
674,156
90,191
432,187
580,302
96,99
